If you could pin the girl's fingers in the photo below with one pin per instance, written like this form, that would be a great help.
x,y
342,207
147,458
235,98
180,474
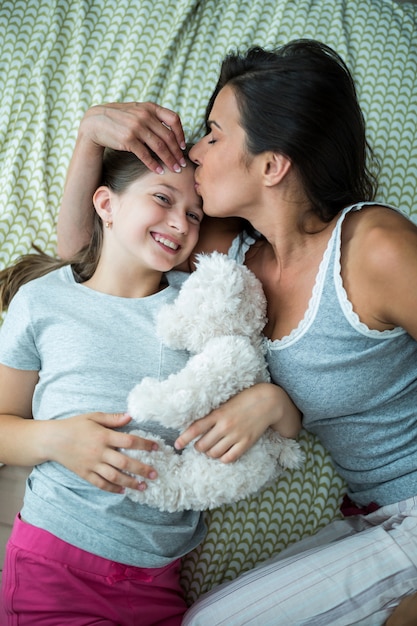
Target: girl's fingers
x,y
123,465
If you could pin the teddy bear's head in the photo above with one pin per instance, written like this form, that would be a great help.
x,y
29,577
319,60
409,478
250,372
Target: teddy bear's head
x,y
222,297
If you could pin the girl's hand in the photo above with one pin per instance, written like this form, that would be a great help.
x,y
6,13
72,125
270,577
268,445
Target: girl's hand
x,y
88,446
227,432
138,127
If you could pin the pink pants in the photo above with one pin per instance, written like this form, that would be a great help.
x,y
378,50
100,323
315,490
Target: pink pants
x,y
51,583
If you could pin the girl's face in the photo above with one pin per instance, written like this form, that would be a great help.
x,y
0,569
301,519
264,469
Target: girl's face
x,y
155,223
226,175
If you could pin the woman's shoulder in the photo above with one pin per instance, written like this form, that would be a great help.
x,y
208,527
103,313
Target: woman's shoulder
x,y
377,224
378,263
379,259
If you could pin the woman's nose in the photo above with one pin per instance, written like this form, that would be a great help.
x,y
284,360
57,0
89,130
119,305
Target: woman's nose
x,y
195,153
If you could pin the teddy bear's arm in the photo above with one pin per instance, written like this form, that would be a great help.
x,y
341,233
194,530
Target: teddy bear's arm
x,y
225,366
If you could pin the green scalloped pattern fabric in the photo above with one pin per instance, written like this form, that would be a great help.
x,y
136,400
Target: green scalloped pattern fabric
x,y
59,57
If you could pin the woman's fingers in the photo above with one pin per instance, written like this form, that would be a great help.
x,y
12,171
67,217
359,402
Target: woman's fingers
x,y
139,127
219,435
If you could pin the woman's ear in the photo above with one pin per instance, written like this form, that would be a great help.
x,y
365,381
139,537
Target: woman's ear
x,y
276,167
102,203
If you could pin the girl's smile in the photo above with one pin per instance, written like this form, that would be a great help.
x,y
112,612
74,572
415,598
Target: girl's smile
x,y
166,242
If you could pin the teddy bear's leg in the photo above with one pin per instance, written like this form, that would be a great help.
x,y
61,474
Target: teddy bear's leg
x,y
209,483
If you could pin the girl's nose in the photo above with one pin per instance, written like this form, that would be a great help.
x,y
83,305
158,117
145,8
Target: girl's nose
x,y
178,221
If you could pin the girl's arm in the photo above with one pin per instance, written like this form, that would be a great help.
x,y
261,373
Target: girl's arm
x,y
84,444
227,432
136,127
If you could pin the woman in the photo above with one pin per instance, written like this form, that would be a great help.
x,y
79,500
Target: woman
x,y
286,152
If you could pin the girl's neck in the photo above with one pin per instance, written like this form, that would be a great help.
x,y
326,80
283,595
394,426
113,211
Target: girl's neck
x,y
129,284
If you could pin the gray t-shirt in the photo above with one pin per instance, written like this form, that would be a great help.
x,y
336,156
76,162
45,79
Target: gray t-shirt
x,y
91,349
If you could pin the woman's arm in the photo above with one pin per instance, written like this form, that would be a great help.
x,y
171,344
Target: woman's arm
x,y
227,432
84,444
131,126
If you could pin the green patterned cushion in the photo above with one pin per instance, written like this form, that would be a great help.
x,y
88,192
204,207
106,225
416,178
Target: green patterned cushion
x,y
58,57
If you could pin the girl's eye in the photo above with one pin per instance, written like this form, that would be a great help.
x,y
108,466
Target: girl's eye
x,y
212,141
161,197
194,217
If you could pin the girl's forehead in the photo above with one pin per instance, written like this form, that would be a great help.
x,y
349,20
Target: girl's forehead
x,y
178,180
172,179
180,184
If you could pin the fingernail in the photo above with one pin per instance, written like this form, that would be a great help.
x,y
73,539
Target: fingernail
x,y
141,486
155,446
183,163
183,146
177,168
152,475
159,170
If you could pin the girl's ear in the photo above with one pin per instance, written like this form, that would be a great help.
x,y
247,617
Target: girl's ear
x,y
102,203
276,167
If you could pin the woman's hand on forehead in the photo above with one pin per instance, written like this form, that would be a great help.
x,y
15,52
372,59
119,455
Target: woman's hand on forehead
x,y
141,128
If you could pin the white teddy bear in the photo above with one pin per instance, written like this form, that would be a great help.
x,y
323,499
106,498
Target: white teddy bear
x,y
218,316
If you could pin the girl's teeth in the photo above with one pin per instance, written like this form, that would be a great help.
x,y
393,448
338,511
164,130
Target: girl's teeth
x,y
167,242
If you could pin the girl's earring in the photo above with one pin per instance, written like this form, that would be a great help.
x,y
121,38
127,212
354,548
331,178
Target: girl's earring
x,y
107,224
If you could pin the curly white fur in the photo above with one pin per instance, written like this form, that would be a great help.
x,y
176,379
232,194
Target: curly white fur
x,y
218,316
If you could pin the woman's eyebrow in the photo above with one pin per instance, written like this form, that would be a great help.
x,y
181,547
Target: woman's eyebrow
x,y
213,123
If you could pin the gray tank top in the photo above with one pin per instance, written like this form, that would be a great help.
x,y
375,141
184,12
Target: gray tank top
x,y
356,387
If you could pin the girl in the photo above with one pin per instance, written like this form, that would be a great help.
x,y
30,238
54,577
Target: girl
x,y
73,344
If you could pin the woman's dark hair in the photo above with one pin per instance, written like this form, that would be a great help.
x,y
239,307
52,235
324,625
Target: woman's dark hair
x,y
300,101
120,170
